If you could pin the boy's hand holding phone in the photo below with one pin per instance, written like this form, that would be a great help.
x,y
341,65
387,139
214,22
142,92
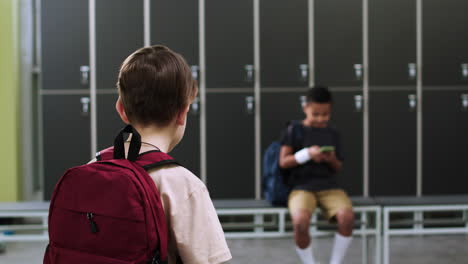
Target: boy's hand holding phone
x,y
315,154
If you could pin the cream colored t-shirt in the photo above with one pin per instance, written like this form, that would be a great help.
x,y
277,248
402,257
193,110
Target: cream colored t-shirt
x,y
195,232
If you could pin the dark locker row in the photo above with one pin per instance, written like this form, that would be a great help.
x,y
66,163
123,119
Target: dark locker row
x,y
284,51
230,140
337,34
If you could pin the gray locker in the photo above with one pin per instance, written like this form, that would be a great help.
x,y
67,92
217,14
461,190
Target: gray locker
x,y
275,118
392,152
187,153
445,142
174,23
66,140
348,119
65,44
284,42
108,120
230,146
338,42
444,42
119,32
229,43
392,43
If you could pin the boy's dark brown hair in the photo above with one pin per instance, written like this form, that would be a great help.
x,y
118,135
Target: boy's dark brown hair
x,y
155,84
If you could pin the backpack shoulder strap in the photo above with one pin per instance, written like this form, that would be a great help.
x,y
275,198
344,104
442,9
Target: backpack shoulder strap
x,y
148,160
294,129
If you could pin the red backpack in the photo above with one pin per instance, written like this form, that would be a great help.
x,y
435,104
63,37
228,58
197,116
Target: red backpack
x,y
109,211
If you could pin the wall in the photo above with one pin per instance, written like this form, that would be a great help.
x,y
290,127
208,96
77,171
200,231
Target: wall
x,y
9,102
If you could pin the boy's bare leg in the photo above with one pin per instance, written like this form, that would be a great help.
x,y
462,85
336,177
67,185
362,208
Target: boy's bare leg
x,y
301,222
345,220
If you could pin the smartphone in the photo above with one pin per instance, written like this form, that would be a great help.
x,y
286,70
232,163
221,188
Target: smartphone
x,y
327,149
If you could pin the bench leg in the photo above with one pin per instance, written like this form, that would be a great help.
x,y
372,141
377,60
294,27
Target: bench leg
x,y
313,228
418,219
378,237
259,224
386,238
365,254
465,219
45,225
282,223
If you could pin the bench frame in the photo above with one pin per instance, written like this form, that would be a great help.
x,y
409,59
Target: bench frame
x,y
418,227
41,214
365,212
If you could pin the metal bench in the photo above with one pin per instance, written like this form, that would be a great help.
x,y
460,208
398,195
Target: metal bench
x,y
418,225
25,210
258,211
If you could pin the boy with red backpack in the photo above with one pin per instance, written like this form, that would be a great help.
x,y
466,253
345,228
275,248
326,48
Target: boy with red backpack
x,y
134,203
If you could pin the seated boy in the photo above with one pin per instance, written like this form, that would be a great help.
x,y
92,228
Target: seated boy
x,y
313,176
155,91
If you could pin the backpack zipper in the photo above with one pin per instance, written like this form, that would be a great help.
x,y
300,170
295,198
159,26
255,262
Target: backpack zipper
x,y
93,226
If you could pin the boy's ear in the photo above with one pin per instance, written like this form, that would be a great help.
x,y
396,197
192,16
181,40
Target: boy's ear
x,y
121,110
182,116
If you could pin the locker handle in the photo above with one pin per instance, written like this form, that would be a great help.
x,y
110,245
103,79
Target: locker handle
x,y
412,101
250,105
249,71
464,67
412,71
85,105
358,102
303,100
84,69
195,107
304,70
464,99
195,72
358,70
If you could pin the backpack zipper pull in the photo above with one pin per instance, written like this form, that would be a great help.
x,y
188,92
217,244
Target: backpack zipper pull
x,y
93,226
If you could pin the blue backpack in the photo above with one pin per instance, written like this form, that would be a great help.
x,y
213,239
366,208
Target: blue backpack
x,y
275,187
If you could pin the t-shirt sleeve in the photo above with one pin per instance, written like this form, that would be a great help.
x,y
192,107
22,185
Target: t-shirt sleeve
x,y
198,234
339,147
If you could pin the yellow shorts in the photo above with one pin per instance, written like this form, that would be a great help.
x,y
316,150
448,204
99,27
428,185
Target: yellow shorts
x,y
330,201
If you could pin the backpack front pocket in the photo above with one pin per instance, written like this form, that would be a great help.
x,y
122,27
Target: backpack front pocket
x,y
98,234
58,255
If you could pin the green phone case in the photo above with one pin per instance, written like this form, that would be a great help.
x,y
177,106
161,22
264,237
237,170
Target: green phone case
x,y
327,149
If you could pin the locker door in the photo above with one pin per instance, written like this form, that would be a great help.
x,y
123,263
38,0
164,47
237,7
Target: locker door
x,y
444,42
230,146
392,43
66,139
392,143
277,110
65,44
109,122
187,153
338,42
348,119
119,32
284,43
174,24
445,144
229,43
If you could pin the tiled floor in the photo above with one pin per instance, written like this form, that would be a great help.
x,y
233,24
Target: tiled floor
x,y
411,250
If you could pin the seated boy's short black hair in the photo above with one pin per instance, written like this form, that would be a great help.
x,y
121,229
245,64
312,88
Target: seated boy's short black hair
x,y
319,94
